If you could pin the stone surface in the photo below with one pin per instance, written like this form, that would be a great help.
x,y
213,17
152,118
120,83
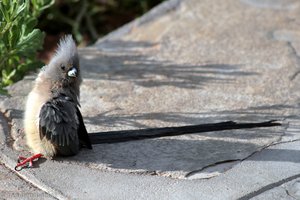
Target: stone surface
x,y
158,75
13,187
289,191
253,177
186,62
293,189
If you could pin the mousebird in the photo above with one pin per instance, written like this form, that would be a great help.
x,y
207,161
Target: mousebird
x,y
53,123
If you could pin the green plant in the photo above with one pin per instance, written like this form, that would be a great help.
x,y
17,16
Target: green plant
x,y
19,40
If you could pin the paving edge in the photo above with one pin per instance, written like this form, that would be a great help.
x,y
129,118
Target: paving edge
x,y
154,13
8,158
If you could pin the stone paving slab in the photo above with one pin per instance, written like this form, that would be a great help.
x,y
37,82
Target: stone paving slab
x,y
287,191
13,187
186,62
176,156
250,178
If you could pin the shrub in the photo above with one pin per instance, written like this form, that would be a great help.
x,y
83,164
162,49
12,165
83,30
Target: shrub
x,y
19,40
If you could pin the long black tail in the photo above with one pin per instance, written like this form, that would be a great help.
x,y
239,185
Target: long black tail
x,y
128,135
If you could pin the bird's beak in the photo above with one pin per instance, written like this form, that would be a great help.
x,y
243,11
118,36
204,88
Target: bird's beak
x,y
72,72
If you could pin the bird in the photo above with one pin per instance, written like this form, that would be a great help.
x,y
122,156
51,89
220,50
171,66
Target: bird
x,y
53,123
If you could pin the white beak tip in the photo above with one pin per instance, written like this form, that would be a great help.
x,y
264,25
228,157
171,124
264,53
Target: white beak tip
x,y
72,72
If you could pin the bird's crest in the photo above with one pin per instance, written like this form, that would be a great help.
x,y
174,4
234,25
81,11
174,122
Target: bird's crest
x,y
66,49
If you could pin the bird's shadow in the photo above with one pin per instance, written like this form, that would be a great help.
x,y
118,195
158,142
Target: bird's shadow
x,y
39,162
191,152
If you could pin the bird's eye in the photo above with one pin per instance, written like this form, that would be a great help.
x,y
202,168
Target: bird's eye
x,y
63,67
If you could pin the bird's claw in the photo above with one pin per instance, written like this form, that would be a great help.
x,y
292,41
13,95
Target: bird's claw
x,y
26,162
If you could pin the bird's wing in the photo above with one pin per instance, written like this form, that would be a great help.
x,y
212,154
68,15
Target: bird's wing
x,y
84,139
58,121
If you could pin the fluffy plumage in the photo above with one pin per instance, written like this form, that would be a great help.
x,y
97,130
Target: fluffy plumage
x,y
53,123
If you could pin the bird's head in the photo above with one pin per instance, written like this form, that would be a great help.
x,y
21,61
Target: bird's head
x,y
63,68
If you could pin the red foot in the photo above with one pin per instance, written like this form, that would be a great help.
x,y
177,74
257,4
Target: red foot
x,y
27,162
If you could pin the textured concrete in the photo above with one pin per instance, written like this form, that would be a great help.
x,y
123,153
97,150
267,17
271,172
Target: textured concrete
x,y
13,187
288,191
185,62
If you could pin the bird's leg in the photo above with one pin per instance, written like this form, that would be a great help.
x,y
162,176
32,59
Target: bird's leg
x,y
27,162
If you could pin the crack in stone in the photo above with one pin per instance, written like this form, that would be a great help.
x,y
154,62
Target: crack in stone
x,y
190,174
269,187
288,194
294,51
278,183
215,172
279,141
228,161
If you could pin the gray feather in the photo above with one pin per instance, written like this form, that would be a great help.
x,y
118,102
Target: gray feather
x,y
60,120
58,123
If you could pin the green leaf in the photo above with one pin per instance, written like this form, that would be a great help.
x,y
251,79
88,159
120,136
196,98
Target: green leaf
x,y
47,4
19,40
31,42
4,12
20,9
5,38
29,26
